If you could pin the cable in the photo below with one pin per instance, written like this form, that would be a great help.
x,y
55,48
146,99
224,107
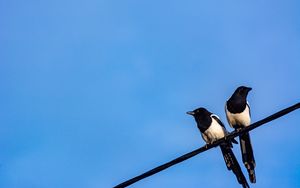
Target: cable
x,y
209,146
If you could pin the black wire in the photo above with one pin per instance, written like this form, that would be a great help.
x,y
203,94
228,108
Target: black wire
x,y
208,146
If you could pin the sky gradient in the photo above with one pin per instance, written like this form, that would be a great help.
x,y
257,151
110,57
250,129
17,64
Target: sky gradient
x,y
95,92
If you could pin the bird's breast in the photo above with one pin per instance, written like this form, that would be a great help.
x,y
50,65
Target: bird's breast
x,y
239,119
214,132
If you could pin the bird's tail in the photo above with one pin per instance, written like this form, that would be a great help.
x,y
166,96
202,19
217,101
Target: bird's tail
x,y
232,164
247,155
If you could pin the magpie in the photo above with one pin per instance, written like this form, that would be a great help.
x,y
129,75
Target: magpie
x,y
238,116
212,129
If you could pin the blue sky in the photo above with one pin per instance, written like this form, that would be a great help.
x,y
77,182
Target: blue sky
x,y
95,92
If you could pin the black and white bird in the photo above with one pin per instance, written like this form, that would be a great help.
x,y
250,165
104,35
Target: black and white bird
x,y
212,129
238,116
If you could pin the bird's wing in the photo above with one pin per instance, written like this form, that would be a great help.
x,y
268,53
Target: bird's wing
x,y
218,120
249,109
226,112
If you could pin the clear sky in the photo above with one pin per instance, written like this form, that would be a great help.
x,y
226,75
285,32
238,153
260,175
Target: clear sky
x,y
95,92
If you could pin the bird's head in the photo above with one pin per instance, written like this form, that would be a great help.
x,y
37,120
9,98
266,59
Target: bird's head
x,y
242,91
202,117
199,112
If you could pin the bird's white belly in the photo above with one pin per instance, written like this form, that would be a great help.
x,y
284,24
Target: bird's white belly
x,y
241,119
214,132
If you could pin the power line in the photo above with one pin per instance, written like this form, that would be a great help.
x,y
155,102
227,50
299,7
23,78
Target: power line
x,y
209,146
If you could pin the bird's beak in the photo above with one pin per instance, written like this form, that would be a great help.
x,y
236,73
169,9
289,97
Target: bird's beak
x,y
191,113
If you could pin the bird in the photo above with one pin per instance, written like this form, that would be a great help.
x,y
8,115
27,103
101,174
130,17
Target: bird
x,y
238,116
212,129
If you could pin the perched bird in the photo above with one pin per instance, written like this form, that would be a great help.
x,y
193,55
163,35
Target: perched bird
x,y
212,129
238,116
